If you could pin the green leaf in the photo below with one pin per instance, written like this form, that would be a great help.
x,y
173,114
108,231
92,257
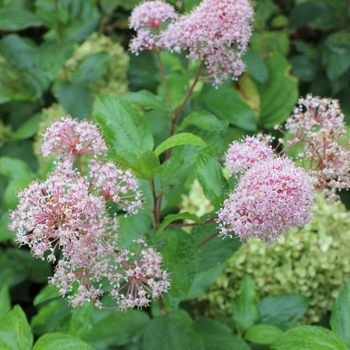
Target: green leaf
x,y
203,120
27,129
145,168
279,94
174,217
172,332
256,66
217,336
47,293
13,19
335,54
340,318
92,68
15,332
217,250
116,328
5,234
15,169
146,100
304,13
78,321
10,195
210,177
70,96
283,311
244,308
184,138
60,341
125,129
304,68
309,338
227,104
263,334
179,165
5,301
180,259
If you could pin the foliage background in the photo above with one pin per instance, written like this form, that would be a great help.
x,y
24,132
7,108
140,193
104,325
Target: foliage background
x,y
51,66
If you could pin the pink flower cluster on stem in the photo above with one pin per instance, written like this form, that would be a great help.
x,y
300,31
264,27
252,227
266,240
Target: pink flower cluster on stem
x,y
317,127
271,197
67,212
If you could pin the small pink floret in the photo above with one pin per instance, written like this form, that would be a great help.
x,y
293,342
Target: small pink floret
x,y
68,138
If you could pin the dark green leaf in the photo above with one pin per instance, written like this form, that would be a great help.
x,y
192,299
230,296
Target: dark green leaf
x,y
244,308
184,138
60,341
210,177
304,68
174,217
146,100
70,96
283,311
125,129
340,318
203,120
309,338
78,321
279,94
180,259
172,332
227,104
263,333
256,66
215,251
92,68
217,336
117,328
15,332
304,13
12,19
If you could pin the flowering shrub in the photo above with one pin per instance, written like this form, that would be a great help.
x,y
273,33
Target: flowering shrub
x,y
107,214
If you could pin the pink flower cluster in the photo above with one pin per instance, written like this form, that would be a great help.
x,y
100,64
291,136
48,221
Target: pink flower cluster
x,y
317,127
69,212
242,155
272,197
146,19
216,32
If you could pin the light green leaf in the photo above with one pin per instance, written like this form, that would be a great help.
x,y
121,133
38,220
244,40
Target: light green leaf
x,y
279,94
47,293
340,318
27,129
15,332
263,334
309,338
14,169
145,168
244,308
126,130
184,138
203,120
60,341
5,301
172,332
210,176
